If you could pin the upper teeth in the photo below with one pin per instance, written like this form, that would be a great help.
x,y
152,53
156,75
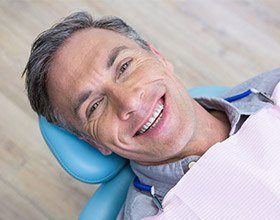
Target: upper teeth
x,y
156,115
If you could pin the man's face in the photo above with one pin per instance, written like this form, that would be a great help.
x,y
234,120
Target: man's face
x,y
126,98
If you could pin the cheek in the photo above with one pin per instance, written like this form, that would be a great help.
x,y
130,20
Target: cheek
x,y
104,129
91,128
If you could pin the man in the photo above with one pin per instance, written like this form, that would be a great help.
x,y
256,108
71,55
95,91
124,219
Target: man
x,y
101,81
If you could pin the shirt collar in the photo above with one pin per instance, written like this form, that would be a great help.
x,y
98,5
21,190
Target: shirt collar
x,y
162,177
216,103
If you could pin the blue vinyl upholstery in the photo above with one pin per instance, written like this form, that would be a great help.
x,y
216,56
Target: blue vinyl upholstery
x,y
86,164
78,158
106,197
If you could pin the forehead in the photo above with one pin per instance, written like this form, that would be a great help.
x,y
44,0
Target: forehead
x,y
86,48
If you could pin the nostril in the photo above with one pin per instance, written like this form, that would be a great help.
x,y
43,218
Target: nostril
x,y
128,101
125,115
142,95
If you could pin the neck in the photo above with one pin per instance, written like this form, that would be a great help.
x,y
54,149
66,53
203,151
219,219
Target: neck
x,y
212,127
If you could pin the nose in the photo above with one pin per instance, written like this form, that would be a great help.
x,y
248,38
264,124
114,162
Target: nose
x,y
126,100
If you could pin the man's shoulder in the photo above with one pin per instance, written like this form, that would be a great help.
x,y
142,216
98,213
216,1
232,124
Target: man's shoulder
x,y
264,82
137,205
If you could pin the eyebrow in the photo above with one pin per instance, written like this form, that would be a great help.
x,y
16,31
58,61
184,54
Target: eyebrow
x,y
80,100
114,54
86,94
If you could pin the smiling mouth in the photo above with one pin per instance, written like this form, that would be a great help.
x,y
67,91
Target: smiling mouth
x,y
154,118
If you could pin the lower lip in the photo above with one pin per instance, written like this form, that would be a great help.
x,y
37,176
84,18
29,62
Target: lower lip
x,y
160,125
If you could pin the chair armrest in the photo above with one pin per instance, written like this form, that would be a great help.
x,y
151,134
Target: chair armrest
x,y
108,199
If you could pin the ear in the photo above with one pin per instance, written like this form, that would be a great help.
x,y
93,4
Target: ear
x,y
101,148
154,50
105,151
165,62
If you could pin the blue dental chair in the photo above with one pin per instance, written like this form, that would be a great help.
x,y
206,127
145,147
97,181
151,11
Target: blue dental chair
x,y
88,165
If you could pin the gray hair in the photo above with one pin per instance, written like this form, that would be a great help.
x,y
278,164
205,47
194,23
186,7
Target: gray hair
x,y
43,51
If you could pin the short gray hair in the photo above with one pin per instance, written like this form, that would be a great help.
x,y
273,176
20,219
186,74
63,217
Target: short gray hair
x,y
44,49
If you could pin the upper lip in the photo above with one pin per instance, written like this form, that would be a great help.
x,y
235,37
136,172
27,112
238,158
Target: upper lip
x,y
144,121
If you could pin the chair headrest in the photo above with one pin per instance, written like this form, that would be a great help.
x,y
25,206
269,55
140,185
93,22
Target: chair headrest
x,y
77,157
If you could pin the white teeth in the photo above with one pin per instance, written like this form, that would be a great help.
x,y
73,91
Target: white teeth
x,y
151,121
157,121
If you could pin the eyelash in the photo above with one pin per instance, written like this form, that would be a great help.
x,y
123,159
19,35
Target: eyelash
x,y
93,108
124,67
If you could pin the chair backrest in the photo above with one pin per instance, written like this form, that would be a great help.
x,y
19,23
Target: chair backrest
x,y
83,161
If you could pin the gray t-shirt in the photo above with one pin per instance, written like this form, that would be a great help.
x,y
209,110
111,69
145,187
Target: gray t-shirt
x,y
139,204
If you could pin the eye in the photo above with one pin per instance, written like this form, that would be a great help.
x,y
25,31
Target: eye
x,y
93,108
124,67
